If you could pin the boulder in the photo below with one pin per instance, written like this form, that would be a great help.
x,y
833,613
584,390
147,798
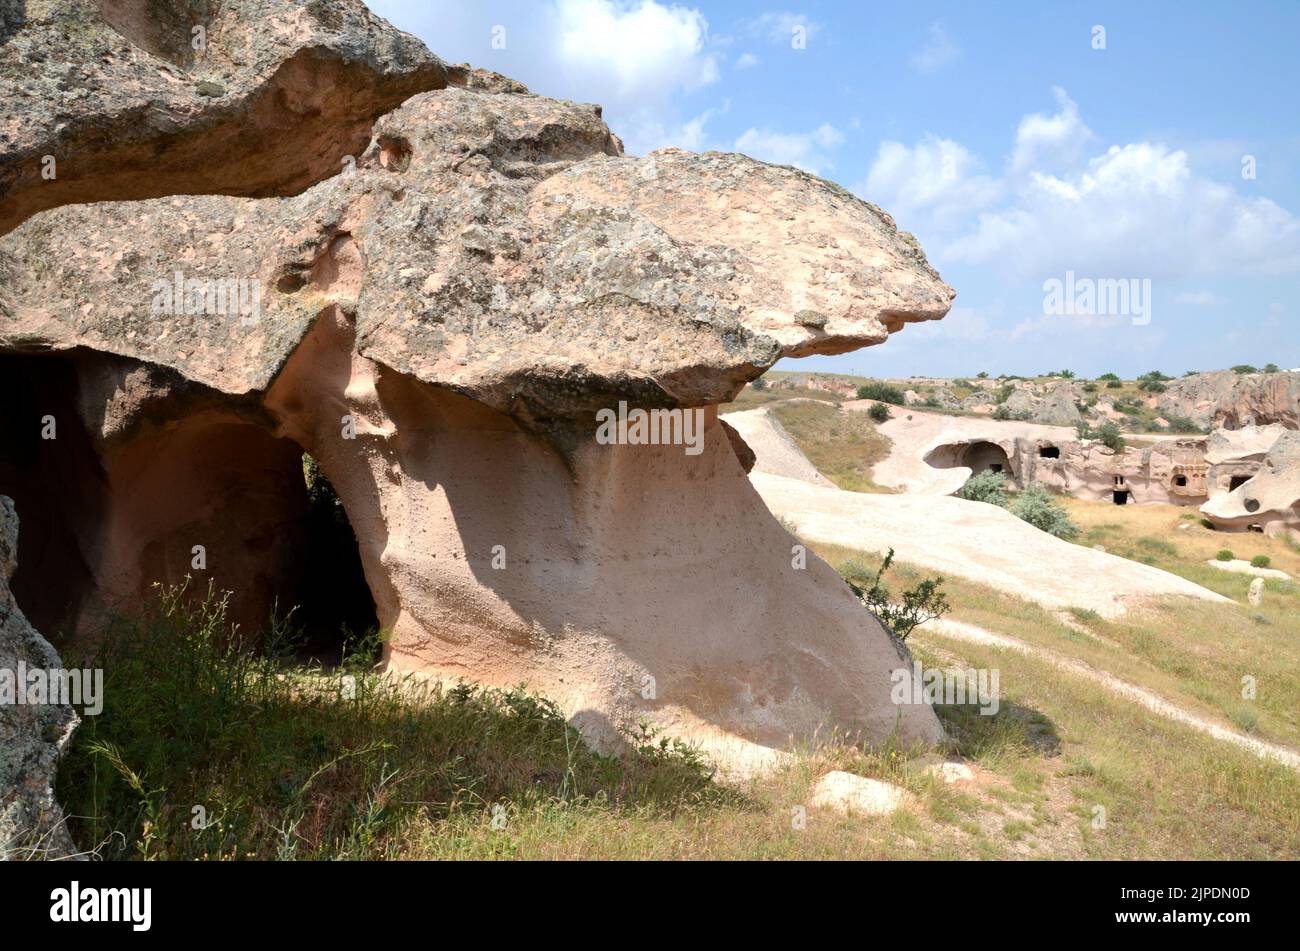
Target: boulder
x,y
129,99
441,328
32,736
853,795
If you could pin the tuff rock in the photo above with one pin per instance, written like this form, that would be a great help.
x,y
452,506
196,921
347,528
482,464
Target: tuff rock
x,y
438,327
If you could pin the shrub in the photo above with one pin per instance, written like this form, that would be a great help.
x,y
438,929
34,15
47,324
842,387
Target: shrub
x,y
1271,368
1245,368
1036,506
1225,554
885,392
879,412
985,487
1112,377
759,384
1261,561
1108,433
925,602
1206,523
1182,424
1001,412
1114,384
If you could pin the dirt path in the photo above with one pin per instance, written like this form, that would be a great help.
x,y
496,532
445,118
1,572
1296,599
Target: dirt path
x,y
959,631
972,540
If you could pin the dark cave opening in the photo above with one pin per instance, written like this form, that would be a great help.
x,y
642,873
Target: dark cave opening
x,y
98,527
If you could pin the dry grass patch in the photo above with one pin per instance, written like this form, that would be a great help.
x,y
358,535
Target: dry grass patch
x,y
844,446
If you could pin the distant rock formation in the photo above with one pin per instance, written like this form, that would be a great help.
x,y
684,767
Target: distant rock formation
x,y
1233,400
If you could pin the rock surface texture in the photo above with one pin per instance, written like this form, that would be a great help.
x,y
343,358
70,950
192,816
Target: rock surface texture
x,y
439,327
1234,400
127,99
31,735
1270,500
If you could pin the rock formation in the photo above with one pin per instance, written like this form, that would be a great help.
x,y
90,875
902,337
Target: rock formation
x,y
1233,400
1270,500
127,99
439,328
32,735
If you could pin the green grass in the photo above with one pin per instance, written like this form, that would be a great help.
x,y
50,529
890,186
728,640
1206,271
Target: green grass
x,y
844,446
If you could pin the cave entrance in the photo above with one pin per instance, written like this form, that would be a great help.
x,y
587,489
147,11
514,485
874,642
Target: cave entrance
x,y
1237,481
335,609
1120,496
192,490
985,457
1049,452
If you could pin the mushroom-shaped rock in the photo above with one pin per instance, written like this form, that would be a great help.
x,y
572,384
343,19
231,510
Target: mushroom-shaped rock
x,y
441,329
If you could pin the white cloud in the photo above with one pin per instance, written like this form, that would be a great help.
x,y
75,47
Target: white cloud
x,y
746,61
937,52
1137,210
1134,211
805,150
634,54
648,133
1056,139
931,187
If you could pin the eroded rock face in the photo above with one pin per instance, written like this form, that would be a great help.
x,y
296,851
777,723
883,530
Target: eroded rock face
x,y
1269,500
1234,401
134,99
31,736
439,329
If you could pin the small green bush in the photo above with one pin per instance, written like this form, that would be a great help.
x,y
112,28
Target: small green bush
x,y
885,392
985,487
925,602
1036,506
879,412
1225,554
1261,561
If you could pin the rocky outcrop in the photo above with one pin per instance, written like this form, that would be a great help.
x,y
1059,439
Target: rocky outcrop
x,y
1233,400
129,99
1270,500
32,734
440,329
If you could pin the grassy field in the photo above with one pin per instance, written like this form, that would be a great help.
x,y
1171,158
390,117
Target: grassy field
x,y
285,765
844,446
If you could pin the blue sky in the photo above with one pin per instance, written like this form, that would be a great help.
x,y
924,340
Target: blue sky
x,y
1013,147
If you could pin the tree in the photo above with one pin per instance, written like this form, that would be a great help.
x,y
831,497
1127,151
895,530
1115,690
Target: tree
x,y
925,602
884,392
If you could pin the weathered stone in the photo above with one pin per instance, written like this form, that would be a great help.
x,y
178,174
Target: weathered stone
x,y
134,99
32,736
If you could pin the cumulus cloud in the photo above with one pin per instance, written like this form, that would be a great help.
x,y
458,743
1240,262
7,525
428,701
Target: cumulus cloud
x,y
1136,210
931,187
1043,140
633,53
648,133
805,150
746,61
937,51
632,56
